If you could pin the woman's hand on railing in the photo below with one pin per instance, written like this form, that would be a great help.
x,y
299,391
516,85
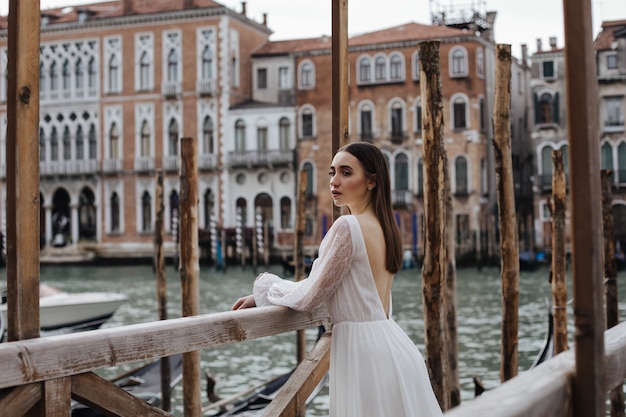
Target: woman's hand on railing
x,y
244,302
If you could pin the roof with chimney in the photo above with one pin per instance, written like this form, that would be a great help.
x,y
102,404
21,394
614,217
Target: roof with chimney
x,y
611,30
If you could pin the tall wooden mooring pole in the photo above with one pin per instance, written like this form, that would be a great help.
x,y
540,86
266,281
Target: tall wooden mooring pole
x,y
586,226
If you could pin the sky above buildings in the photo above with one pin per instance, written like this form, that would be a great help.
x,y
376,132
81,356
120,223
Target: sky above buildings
x,y
517,22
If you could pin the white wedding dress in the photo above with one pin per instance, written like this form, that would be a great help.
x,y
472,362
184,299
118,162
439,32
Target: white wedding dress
x,y
375,368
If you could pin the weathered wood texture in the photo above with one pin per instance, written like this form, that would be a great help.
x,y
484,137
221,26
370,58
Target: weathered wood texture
x,y
435,234
291,399
190,269
40,359
547,390
22,150
339,91
559,267
610,278
56,397
509,243
586,212
104,396
18,401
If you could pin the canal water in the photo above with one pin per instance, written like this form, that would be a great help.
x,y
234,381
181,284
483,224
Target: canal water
x,y
242,365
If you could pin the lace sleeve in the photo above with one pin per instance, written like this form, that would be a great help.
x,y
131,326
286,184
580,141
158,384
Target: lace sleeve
x,y
334,261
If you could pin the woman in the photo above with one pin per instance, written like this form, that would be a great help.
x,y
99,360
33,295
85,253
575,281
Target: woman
x,y
375,369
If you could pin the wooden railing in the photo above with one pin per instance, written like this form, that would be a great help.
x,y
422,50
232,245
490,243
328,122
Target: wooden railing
x,y
57,367
68,360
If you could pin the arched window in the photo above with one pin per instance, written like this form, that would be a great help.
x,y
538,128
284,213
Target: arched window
x,y
240,136
146,212
92,73
114,67
207,135
283,133
396,117
367,132
606,156
172,138
307,75
546,167
460,175
459,112
54,145
115,212
307,123
144,71
365,70
114,141
80,148
66,75
53,76
480,63
547,107
401,171
42,145
93,142
79,70
67,144
458,62
172,66
380,68
621,161
418,115
174,213
396,72
42,77
285,213
207,63
145,139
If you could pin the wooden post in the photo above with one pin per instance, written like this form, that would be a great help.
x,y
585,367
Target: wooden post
x,y
610,278
582,117
22,148
159,266
339,66
435,235
452,376
559,269
509,250
190,269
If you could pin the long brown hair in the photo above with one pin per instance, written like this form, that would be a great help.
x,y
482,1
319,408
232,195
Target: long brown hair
x,y
375,165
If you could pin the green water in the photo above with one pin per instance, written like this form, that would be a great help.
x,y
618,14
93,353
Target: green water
x,y
242,365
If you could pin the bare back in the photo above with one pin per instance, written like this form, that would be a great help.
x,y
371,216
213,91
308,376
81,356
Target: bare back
x,y
377,253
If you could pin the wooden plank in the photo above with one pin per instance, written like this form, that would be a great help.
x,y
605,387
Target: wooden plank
x,y
39,359
292,397
17,402
57,395
23,151
190,269
104,396
586,213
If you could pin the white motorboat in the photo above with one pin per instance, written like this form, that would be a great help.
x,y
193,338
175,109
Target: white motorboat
x,y
76,311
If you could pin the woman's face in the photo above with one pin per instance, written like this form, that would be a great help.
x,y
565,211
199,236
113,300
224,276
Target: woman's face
x,y
349,183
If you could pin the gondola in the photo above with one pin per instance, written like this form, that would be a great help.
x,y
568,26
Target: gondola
x,y
252,402
546,352
143,382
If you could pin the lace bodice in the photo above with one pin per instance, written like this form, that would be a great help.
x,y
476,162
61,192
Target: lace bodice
x,y
340,278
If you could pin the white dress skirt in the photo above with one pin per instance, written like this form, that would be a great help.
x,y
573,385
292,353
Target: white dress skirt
x,y
375,368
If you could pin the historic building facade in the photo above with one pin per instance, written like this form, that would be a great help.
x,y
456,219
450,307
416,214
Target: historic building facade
x,y
122,81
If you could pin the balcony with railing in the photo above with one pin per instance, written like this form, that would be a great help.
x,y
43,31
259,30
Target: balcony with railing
x,y
68,167
613,125
171,89
257,159
171,162
207,162
206,87
144,163
401,198
112,165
